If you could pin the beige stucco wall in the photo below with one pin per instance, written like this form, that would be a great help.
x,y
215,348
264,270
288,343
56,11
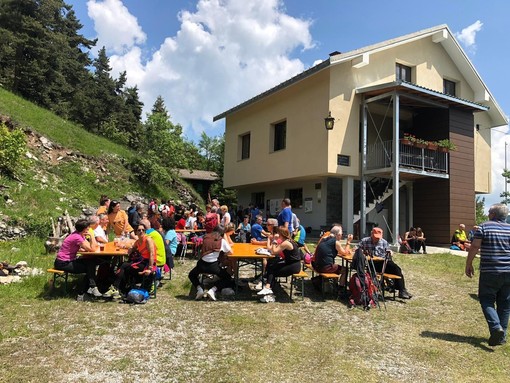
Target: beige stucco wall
x,y
483,160
304,106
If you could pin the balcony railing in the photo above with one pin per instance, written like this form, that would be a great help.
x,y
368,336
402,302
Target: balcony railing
x,y
380,154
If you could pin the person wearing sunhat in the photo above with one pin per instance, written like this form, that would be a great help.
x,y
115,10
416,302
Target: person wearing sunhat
x,y
377,246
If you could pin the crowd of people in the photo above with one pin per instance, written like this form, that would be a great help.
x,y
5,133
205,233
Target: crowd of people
x,y
155,234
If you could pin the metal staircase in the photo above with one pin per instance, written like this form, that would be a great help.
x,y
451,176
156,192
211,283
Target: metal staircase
x,y
388,191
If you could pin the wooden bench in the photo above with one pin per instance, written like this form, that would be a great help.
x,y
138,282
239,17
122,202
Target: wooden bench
x,y
324,276
383,280
301,275
59,274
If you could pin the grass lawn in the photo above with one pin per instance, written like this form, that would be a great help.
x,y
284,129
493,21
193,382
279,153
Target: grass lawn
x,y
438,336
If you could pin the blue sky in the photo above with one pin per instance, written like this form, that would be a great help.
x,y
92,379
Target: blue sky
x,y
207,56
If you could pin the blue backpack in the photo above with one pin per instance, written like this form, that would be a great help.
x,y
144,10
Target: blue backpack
x,y
137,296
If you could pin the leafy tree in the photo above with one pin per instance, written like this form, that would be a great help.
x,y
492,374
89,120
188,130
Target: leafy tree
x,y
480,207
210,150
12,151
159,107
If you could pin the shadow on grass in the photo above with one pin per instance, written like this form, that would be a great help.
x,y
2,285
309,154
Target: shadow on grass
x,y
449,337
474,296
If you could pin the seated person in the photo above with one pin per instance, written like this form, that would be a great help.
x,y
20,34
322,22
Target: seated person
x,y
159,243
410,238
327,251
258,234
67,259
244,230
118,220
420,240
213,244
377,246
278,267
460,239
142,258
97,224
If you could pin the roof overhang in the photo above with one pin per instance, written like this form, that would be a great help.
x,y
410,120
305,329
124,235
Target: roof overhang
x,y
413,90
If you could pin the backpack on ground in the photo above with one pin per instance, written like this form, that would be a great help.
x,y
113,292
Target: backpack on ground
x,y
138,296
361,285
362,291
211,221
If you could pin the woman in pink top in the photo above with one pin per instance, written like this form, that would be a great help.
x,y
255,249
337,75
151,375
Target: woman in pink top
x,y
67,259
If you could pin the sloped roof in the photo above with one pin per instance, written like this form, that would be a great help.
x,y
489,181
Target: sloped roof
x,y
202,175
440,34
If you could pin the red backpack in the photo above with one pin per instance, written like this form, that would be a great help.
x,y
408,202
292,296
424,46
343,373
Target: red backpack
x,y
211,221
361,295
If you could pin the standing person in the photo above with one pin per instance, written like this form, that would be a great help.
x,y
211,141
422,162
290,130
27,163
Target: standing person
x,y
67,259
285,216
493,240
225,216
254,212
377,246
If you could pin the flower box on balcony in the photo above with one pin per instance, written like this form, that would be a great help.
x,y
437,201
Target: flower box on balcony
x,y
432,146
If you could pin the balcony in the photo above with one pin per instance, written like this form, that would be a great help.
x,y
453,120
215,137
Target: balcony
x,y
411,159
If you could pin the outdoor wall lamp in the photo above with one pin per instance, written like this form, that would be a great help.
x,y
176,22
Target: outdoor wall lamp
x,y
329,122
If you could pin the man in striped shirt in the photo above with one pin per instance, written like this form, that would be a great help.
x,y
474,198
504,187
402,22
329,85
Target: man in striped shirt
x,y
493,240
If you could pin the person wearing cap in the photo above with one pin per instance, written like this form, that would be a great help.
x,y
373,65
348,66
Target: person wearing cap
x,y
377,246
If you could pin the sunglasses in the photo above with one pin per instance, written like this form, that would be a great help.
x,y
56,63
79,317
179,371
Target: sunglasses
x,y
140,230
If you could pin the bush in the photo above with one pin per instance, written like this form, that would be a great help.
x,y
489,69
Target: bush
x,y
12,150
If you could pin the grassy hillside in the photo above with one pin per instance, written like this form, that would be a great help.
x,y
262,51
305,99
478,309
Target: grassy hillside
x,y
80,167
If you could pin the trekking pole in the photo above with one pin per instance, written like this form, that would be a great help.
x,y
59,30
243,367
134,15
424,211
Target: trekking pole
x,y
377,285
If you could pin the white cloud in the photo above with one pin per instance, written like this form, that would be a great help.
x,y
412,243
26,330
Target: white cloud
x,y
467,36
224,53
117,29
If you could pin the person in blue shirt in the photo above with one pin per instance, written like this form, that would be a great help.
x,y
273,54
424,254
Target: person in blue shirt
x,y
258,234
254,212
285,216
492,239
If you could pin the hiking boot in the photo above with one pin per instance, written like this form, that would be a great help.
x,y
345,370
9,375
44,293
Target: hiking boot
x,y
112,293
94,291
211,294
497,337
200,293
404,294
265,291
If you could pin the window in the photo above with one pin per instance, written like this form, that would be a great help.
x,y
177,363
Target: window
x,y
245,146
296,198
449,87
280,133
258,200
403,72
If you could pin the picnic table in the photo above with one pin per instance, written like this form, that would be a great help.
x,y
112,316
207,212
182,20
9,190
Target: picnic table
x,y
245,255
